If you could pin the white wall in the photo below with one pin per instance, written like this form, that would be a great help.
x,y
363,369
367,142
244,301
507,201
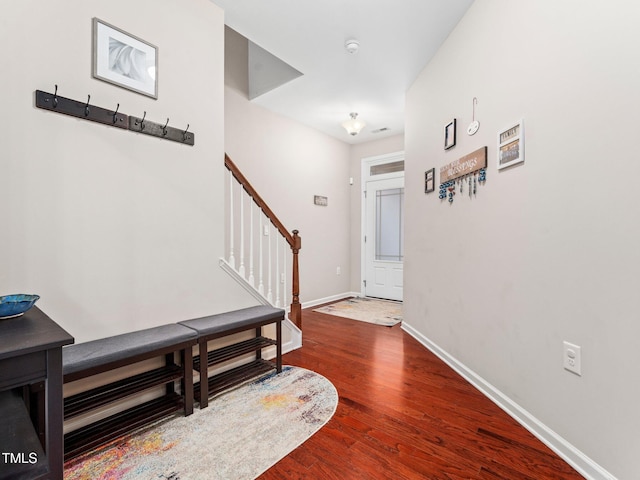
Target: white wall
x,y
548,250
288,163
116,231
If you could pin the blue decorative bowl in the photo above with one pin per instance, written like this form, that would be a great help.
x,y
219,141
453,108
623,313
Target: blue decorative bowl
x,y
16,305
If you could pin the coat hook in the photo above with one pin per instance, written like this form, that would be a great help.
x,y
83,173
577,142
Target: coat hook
x,y
116,113
86,107
164,129
184,134
141,122
55,98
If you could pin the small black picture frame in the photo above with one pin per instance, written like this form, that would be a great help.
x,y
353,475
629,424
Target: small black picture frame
x,y
450,134
430,180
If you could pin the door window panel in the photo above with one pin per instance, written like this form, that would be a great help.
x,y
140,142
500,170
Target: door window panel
x,y
390,225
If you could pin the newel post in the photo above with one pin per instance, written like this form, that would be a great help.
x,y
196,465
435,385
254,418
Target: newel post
x,y
296,308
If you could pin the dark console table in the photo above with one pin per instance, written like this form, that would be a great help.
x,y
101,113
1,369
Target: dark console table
x,y
31,397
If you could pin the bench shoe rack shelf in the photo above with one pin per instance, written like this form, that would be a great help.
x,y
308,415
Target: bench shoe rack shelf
x,y
222,325
92,358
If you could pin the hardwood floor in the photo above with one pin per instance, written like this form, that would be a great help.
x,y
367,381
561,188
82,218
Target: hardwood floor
x,y
404,414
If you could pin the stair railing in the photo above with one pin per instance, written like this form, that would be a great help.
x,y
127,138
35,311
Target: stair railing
x,y
269,256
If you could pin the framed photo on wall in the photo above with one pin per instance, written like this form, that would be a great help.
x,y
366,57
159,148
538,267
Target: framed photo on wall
x,y
450,134
430,180
124,59
511,145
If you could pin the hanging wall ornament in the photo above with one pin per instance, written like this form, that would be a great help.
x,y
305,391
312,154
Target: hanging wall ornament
x,y
475,124
447,190
470,169
443,192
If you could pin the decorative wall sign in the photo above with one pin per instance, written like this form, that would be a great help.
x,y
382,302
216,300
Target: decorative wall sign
x,y
511,145
320,201
465,165
450,134
429,180
466,172
124,60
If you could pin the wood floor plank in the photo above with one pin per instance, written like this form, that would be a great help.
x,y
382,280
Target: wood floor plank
x,y
404,414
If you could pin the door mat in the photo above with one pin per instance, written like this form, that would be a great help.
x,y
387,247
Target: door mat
x,y
371,310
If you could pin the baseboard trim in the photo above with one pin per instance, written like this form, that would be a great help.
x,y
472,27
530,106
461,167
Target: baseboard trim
x,y
574,457
332,298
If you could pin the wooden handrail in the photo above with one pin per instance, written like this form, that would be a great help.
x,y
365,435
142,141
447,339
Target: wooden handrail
x,y
242,180
293,239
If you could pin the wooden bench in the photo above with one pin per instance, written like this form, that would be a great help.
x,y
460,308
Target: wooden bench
x,y
91,358
224,324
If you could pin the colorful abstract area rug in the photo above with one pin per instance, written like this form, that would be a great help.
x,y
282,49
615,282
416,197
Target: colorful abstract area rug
x,y
372,310
240,435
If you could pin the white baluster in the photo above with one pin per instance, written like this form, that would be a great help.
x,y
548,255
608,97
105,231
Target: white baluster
x,y
241,270
284,273
277,304
261,284
252,280
269,276
232,260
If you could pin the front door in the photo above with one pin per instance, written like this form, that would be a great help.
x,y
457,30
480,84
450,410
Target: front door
x,y
384,238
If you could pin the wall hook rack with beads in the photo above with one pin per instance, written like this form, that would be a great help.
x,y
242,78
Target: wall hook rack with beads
x,y
470,169
86,111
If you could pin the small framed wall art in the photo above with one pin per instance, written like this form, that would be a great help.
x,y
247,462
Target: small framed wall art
x,y
124,60
450,134
511,145
320,201
430,180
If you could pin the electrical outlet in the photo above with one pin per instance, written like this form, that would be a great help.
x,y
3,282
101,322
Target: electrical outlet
x,y
571,358
265,230
338,271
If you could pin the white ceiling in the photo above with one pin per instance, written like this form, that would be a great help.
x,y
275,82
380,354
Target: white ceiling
x,y
397,39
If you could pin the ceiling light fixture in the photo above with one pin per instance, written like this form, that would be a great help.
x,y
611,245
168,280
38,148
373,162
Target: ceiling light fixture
x,y
353,125
352,46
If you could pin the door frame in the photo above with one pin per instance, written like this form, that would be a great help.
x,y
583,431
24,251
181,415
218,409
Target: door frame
x,y
365,166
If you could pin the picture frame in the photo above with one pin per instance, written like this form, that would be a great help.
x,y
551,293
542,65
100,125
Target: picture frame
x,y
320,200
124,60
430,180
511,145
450,134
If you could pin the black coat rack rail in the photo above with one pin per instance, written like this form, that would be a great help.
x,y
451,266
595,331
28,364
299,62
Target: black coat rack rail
x,y
85,111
